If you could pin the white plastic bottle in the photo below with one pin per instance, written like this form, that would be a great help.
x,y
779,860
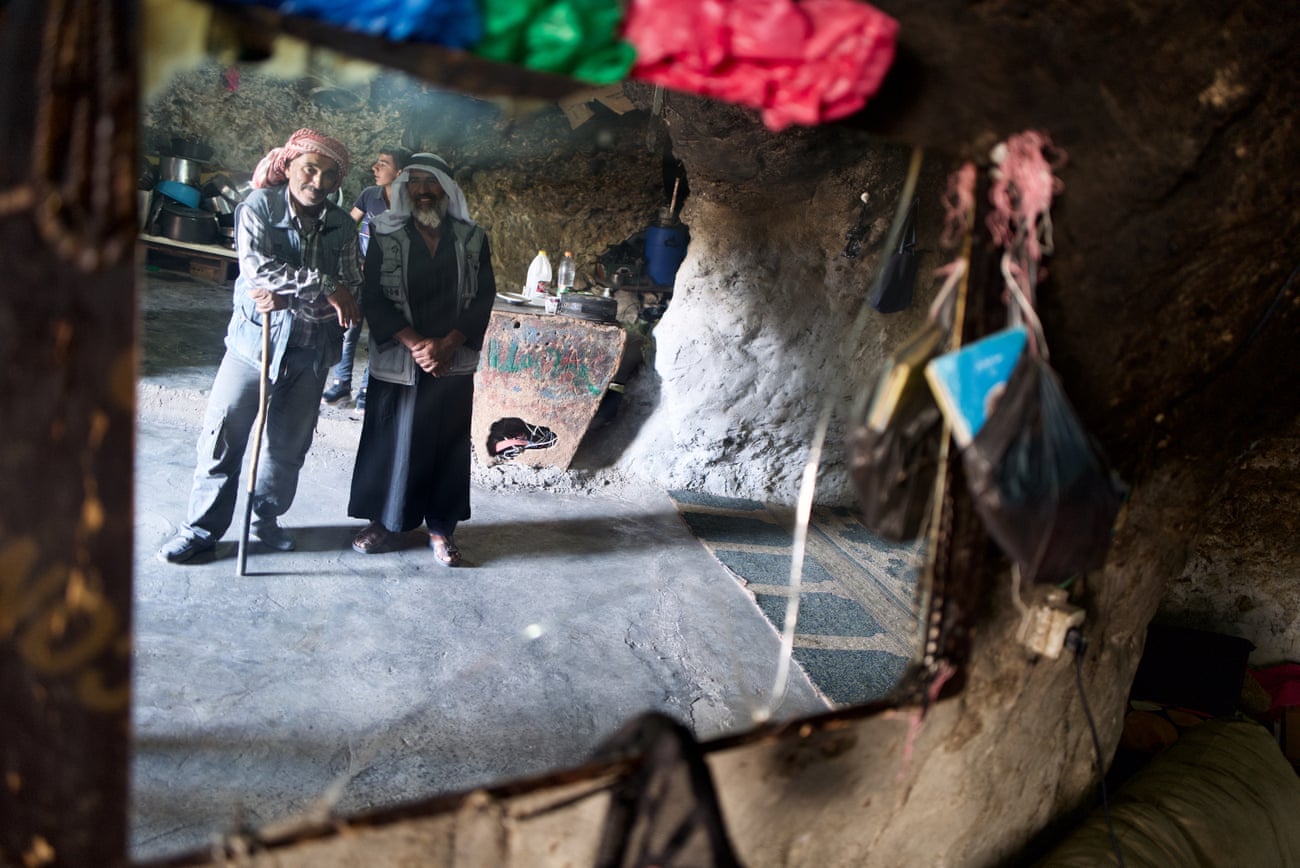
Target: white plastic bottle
x,y
568,270
539,276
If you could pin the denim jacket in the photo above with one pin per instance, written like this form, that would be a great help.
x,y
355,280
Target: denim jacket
x,y
391,361
270,256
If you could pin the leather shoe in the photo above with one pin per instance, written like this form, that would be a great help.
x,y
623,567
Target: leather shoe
x,y
337,394
272,535
182,547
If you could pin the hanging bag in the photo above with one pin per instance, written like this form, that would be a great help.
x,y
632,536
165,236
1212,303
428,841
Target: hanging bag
x,y
893,455
894,450
1041,485
892,291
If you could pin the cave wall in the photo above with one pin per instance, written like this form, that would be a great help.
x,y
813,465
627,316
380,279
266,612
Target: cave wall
x,y
1244,556
762,329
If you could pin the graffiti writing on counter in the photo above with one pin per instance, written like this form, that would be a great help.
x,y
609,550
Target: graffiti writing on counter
x,y
559,366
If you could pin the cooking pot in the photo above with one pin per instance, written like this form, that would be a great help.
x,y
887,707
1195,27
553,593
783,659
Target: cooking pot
x,y
180,169
217,204
224,186
191,149
243,183
191,225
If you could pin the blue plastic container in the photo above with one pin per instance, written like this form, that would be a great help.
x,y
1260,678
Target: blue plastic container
x,y
183,193
665,248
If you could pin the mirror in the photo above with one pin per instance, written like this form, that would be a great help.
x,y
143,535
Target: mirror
x,y
652,572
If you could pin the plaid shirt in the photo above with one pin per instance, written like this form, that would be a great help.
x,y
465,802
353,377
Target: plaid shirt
x,y
306,282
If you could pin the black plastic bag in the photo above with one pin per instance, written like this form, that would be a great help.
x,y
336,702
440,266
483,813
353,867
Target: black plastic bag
x,y
894,452
894,470
1041,485
892,291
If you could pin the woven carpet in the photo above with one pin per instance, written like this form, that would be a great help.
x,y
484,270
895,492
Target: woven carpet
x,y
856,626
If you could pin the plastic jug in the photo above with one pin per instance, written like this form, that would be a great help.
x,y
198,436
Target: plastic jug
x,y
539,276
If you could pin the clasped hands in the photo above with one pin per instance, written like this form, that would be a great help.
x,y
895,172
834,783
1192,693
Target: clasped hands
x,y
434,355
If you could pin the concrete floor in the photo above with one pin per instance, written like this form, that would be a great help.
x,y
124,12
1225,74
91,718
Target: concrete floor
x,y
360,681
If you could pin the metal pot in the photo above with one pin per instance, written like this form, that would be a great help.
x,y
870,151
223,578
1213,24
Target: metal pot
x,y
216,203
191,225
224,187
180,169
243,182
191,149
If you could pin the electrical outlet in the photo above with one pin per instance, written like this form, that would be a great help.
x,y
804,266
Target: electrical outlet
x,y
1048,621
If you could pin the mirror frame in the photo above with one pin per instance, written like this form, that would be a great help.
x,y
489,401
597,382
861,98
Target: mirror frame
x,y
66,560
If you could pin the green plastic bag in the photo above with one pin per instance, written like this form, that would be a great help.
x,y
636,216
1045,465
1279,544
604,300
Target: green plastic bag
x,y
578,38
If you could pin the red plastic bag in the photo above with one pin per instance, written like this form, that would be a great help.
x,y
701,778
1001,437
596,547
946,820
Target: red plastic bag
x,y
801,63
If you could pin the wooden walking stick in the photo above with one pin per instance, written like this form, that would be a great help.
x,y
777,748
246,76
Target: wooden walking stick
x,y
257,441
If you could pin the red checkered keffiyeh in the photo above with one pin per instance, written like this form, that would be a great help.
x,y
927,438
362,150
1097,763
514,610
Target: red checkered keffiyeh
x,y
271,171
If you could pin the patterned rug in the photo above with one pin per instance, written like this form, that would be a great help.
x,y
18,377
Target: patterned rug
x,y
857,614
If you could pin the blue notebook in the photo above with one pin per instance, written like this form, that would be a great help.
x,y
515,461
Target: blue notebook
x,y
967,381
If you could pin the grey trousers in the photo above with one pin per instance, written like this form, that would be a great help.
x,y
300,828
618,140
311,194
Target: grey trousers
x,y
293,405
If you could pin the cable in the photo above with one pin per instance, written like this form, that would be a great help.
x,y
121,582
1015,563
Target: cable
x,y
808,483
1074,639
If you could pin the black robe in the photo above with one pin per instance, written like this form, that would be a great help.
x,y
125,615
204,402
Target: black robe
x,y
413,460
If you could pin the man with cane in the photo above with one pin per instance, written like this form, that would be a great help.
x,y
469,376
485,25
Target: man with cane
x,y
295,294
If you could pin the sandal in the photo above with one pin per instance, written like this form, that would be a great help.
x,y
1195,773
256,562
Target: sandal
x,y
370,539
444,550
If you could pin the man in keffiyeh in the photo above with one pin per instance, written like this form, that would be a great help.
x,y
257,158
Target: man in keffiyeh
x,y
299,266
429,289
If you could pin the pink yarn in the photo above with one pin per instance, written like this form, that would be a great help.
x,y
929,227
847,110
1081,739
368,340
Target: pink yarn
x,y
1022,190
958,203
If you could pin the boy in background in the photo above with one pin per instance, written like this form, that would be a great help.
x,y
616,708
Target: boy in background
x,y
373,200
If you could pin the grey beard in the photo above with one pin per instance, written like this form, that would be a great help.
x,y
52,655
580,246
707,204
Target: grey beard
x,y
430,217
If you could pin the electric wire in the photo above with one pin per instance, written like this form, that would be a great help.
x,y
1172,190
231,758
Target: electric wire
x,y
1096,744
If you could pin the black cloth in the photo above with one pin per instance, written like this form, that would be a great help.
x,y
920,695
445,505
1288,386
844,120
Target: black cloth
x,y
413,460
